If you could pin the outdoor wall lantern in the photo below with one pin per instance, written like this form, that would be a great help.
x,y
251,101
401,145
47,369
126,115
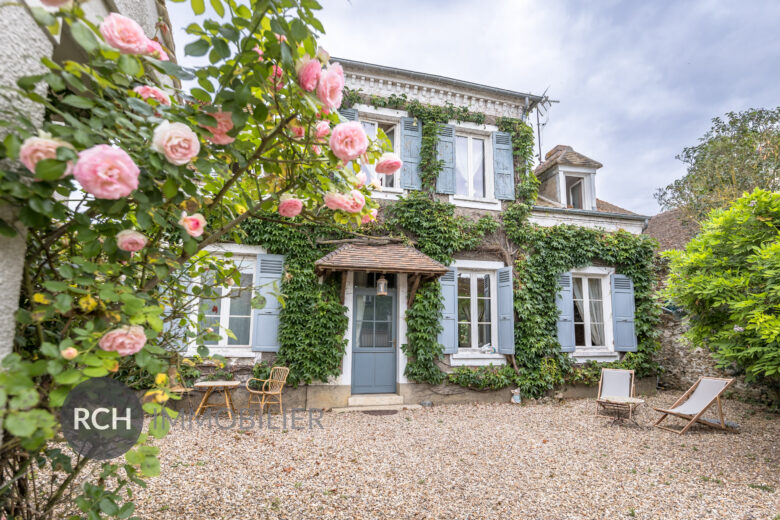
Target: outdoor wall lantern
x,y
381,286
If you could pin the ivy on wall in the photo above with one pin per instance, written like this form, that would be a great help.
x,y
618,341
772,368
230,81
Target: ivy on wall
x,y
312,321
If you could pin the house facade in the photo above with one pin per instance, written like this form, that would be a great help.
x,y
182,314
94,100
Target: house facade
x,y
379,279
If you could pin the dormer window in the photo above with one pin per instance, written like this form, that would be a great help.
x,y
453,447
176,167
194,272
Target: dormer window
x,y
574,192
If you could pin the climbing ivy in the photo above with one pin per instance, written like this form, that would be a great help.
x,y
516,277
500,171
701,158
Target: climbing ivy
x,y
312,320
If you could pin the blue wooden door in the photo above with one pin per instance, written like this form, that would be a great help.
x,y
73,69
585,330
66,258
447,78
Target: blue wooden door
x,y
373,343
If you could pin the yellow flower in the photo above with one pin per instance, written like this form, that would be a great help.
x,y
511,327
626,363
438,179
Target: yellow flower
x,y
87,303
240,209
188,362
161,379
158,395
40,298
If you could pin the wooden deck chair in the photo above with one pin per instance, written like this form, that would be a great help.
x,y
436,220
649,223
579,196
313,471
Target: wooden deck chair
x,y
270,392
693,403
615,383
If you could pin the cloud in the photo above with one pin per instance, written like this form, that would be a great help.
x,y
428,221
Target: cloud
x,y
637,82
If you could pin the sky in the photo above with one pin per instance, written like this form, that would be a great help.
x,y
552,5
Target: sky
x,y
637,81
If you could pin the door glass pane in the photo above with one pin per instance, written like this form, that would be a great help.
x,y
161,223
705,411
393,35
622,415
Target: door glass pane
x,y
478,166
461,165
384,308
240,327
383,334
368,313
365,335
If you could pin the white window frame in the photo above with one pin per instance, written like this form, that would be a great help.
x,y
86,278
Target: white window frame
x,y
246,265
588,177
473,273
487,167
603,274
579,182
396,144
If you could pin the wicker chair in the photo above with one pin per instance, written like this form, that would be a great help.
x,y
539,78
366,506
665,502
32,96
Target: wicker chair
x,y
271,391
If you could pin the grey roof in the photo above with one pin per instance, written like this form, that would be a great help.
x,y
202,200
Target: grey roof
x,y
563,154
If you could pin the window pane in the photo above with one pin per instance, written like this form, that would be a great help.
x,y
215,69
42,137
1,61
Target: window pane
x,y
594,288
464,309
464,284
478,166
390,133
368,311
579,334
239,327
382,337
464,335
213,322
483,309
484,334
483,285
240,301
597,334
365,335
370,128
574,192
461,165
384,308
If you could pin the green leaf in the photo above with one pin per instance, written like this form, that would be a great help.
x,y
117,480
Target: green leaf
x,y
84,36
218,7
55,286
170,188
78,101
68,377
12,145
19,424
198,6
201,95
108,506
95,372
6,230
49,169
130,65
197,48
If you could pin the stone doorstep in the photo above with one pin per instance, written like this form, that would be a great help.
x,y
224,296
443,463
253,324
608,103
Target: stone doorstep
x,y
375,408
375,400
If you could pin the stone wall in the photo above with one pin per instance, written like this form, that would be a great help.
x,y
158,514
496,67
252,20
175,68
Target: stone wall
x,y
683,364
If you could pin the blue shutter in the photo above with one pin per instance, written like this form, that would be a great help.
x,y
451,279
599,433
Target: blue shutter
x,y
445,149
623,313
565,303
350,114
411,142
506,311
503,166
449,314
265,321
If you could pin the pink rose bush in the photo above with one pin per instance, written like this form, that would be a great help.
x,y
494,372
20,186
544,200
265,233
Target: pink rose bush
x,y
309,72
219,132
369,217
361,180
147,92
176,141
322,129
276,77
130,240
388,164
36,149
194,224
259,52
125,341
154,49
330,89
69,353
348,141
124,34
106,172
56,3
352,203
290,207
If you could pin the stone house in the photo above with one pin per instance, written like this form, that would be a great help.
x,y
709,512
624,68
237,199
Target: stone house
x,y
379,281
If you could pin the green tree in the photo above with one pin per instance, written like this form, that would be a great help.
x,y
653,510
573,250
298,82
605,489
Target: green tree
x,y
735,156
728,279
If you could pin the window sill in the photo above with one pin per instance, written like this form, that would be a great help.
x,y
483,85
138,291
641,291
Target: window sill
x,y
387,194
466,202
598,354
233,351
466,358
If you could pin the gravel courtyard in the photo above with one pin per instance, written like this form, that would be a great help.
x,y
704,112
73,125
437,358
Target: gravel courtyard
x,y
553,461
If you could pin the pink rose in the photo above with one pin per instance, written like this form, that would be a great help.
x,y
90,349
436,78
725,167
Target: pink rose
x,y
388,164
298,132
176,141
331,86
315,149
130,241
154,49
35,149
69,353
322,129
194,225
348,141
56,3
356,202
125,341
290,207
336,201
259,52
124,34
361,180
281,38
219,132
309,75
106,172
146,92
370,217
276,77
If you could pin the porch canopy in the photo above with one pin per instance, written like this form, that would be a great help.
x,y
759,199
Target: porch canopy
x,y
384,258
